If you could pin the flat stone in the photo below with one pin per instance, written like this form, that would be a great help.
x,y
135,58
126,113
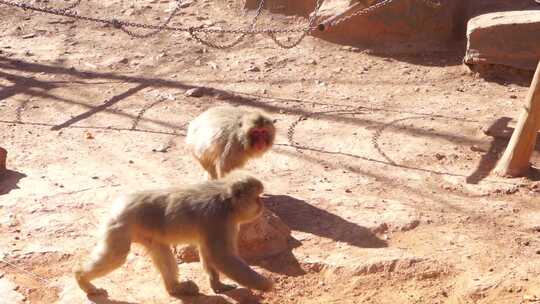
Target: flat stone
x,y
504,38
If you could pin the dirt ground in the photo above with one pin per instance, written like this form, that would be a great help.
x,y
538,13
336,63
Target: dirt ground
x,y
385,184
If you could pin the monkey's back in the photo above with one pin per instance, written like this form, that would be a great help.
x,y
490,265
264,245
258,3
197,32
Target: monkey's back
x,y
209,132
173,215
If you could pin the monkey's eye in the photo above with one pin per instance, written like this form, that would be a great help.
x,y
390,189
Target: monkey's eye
x,y
274,120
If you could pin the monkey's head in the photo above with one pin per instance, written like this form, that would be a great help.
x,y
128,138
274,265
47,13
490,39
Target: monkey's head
x,y
245,196
259,133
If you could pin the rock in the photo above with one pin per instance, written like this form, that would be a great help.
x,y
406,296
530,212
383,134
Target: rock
x,y
504,38
265,237
195,92
163,148
3,157
253,69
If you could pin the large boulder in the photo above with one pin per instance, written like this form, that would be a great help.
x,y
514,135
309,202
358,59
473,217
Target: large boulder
x,y
505,38
262,238
400,22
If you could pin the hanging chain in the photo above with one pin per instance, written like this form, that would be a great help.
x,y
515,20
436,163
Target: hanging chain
x,y
237,40
309,27
119,23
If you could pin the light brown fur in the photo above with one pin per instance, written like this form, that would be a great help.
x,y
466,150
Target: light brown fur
x,y
222,138
207,214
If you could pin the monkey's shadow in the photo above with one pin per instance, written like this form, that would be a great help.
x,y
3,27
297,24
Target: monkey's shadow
x,y
301,216
239,295
9,180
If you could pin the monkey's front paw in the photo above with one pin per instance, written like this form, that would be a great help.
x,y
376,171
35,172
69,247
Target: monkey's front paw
x,y
187,288
221,288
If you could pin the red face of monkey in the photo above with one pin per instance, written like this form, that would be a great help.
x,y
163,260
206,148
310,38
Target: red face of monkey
x,y
260,139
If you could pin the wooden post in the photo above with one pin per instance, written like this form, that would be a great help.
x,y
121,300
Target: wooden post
x,y
515,160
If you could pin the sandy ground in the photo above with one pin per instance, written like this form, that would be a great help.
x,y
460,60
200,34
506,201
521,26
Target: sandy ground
x,y
385,184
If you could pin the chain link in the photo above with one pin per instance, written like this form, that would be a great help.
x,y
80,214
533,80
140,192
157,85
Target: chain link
x,y
237,40
290,133
120,23
309,27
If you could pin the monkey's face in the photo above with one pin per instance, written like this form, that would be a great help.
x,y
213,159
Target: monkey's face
x,y
261,134
260,139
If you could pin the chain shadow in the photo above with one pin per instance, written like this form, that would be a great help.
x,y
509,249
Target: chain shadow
x,y
41,124
21,87
235,99
301,216
105,105
9,180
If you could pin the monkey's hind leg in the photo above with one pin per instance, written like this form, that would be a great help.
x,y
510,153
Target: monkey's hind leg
x,y
213,275
110,254
164,261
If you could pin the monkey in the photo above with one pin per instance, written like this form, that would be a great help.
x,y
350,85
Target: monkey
x,y
206,214
224,138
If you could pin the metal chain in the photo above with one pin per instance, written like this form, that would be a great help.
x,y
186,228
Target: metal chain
x,y
237,40
118,23
156,31
290,133
309,27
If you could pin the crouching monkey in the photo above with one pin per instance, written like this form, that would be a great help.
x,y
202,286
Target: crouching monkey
x,y
224,138
207,214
